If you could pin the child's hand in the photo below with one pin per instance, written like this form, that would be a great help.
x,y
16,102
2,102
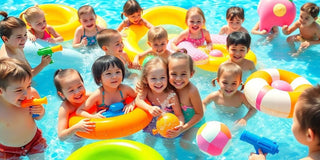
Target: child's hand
x,y
172,133
241,122
51,40
304,45
84,41
136,65
259,156
37,111
85,125
46,60
128,108
99,114
32,37
285,29
155,111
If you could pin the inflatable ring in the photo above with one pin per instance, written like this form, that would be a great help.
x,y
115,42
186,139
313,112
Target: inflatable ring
x,y
67,21
214,62
116,149
156,16
272,101
115,127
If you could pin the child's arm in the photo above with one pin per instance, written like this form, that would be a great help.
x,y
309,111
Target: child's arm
x,y
288,30
31,36
208,39
182,36
177,111
45,60
122,25
250,113
223,30
77,41
128,92
146,23
255,30
153,110
91,101
210,98
136,60
56,35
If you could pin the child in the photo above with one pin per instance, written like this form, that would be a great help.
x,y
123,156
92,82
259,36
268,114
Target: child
x,y
238,45
108,71
235,18
309,29
270,36
110,41
85,35
157,40
132,11
38,26
229,79
70,88
14,35
20,135
305,126
195,33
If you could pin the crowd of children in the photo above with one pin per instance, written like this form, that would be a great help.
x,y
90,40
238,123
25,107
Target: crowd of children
x,y
164,80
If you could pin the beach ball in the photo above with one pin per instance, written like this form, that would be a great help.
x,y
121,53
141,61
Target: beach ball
x,y
213,138
281,85
165,122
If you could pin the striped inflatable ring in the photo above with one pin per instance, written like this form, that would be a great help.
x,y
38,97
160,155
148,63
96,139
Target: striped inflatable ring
x,y
272,101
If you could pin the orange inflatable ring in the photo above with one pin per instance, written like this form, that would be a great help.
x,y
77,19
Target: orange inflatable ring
x,y
115,127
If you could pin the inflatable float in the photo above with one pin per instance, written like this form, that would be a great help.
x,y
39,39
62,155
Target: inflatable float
x,y
116,149
67,21
261,94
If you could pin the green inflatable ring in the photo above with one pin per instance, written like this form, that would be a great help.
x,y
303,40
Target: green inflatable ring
x,y
147,59
115,149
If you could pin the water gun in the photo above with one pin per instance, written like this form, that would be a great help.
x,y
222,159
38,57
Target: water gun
x,y
49,50
34,102
266,145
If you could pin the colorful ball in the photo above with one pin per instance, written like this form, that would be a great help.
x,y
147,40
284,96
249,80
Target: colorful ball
x,y
165,122
281,85
213,138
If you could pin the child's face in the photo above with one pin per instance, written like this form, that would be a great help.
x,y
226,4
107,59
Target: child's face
x,y
298,133
157,79
237,52
229,83
73,89
112,77
115,45
305,19
134,18
235,23
159,46
179,73
38,23
18,38
195,22
88,21
17,91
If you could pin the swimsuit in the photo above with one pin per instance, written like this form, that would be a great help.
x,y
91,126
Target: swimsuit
x,y
36,145
114,109
188,113
196,42
91,40
46,34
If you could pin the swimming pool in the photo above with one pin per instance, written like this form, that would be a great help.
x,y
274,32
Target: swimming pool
x,y
273,55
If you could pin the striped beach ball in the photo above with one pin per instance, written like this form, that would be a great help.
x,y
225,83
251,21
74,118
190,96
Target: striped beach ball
x,y
213,138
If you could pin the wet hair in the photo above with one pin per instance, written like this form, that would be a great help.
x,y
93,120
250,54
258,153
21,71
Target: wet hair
x,y
86,9
230,67
196,10
308,115
13,70
157,33
182,55
8,24
236,38
31,13
61,74
105,36
131,7
234,12
310,8
102,64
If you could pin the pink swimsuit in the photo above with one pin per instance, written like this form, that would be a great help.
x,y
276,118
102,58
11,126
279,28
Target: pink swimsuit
x,y
46,35
196,42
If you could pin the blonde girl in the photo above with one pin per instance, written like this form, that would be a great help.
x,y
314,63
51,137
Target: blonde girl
x,y
35,19
132,11
229,79
85,35
195,33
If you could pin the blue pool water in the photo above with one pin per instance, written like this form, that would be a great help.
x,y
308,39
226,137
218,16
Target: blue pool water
x,y
273,55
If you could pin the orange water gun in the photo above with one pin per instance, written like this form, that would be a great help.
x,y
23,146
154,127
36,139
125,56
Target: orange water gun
x,y
34,102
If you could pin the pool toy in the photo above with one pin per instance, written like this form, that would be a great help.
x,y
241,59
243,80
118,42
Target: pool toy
x,y
213,138
114,110
49,50
281,85
34,102
116,149
165,122
173,16
214,61
67,21
115,127
270,100
275,13
266,145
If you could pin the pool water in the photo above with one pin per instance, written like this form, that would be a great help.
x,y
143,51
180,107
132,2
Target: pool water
x,y
272,55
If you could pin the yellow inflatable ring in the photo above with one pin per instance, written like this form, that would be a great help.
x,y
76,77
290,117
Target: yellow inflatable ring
x,y
214,62
67,21
156,16
116,149
261,95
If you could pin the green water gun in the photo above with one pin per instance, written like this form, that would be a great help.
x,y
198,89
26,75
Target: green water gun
x,y
49,50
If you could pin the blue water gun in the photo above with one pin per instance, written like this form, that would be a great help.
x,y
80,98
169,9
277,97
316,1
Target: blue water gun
x,y
265,144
